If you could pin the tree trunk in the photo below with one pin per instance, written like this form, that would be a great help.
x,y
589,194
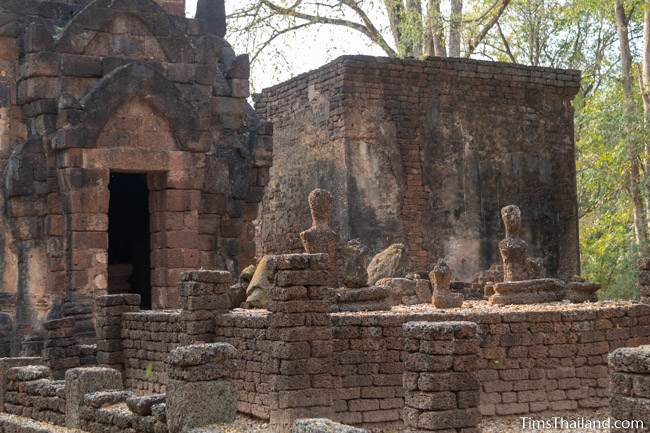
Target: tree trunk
x,y
434,41
455,23
395,10
412,25
645,93
634,177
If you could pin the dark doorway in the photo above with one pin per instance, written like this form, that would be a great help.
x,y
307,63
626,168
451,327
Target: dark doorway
x,y
129,269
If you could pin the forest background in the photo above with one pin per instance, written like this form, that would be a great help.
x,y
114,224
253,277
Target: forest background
x,y
608,40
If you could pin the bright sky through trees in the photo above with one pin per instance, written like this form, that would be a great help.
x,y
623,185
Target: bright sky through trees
x,y
307,50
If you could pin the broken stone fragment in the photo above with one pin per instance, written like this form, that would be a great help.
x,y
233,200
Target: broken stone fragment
x,y
257,293
441,280
401,291
102,399
159,411
323,425
28,373
371,298
631,359
423,290
82,381
488,289
200,354
246,275
528,292
581,290
238,291
390,263
237,295
141,405
372,293
354,264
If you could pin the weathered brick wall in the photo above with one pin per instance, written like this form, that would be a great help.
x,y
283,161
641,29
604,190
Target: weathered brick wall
x,y
32,394
542,358
307,116
204,295
147,339
441,387
147,91
247,331
426,152
551,357
110,310
368,367
629,392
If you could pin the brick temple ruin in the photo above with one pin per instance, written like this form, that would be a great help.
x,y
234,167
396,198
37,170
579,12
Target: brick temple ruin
x,y
160,272
426,154
129,154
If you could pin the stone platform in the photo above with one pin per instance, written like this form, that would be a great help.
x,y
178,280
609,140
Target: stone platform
x,y
533,358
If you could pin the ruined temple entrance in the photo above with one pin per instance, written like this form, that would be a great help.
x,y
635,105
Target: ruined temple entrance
x,y
129,269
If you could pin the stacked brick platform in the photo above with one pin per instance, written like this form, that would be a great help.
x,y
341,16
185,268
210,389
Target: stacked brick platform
x,y
95,402
61,346
247,331
32,394
204,294
82,381
117,419
440,381
7,364
368,368
109,311
531,360
630,387
147,339
300,358
199,392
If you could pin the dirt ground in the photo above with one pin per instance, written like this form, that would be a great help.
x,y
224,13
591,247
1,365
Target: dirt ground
x,y
559,423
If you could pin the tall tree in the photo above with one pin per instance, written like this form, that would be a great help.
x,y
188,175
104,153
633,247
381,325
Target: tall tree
x,y
434,39
455,23
634,177
645,96
414,28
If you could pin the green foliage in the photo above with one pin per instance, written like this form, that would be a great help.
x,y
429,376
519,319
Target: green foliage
x,y
581,34
608,247
574,34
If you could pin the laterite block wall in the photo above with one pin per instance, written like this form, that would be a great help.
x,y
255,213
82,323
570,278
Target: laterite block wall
x,y
532,359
